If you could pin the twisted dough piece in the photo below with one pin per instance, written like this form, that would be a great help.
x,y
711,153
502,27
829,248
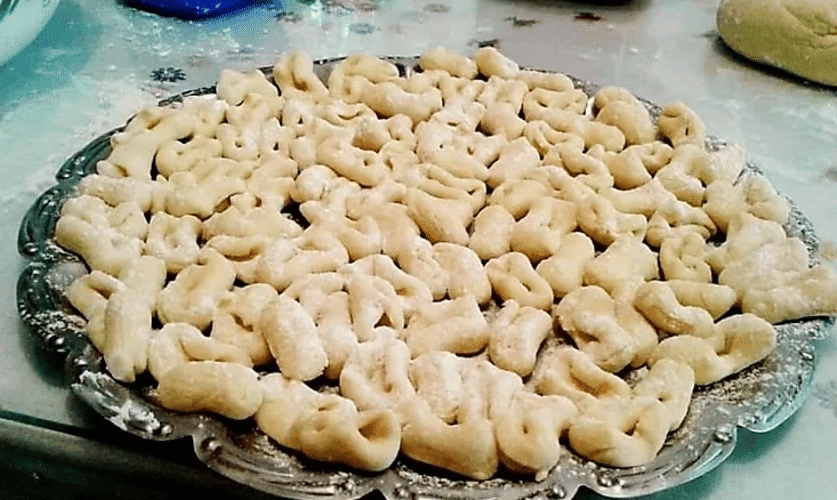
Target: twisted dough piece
x,y
617,425
740,341
588,315
228,389
327,427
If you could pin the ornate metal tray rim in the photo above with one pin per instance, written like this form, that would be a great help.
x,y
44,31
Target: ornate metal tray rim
x,y
757,399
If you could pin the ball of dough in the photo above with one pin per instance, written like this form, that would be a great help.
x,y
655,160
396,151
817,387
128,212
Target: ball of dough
x,y
798,36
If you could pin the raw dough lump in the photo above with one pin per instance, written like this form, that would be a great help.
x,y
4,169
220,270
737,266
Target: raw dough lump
x,y
798,36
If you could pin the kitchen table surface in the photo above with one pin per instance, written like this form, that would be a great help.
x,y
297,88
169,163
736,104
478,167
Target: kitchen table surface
x,y
97,61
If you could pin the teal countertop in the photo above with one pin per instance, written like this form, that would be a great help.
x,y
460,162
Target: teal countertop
x,y
97,62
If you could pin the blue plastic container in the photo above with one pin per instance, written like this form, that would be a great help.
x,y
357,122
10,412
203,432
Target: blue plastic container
x,y
190,9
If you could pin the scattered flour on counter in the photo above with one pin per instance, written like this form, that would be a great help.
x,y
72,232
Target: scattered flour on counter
x,y
826,395
58,124
824,115
154,40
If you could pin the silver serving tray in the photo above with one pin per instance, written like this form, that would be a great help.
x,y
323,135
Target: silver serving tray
x,y
757,399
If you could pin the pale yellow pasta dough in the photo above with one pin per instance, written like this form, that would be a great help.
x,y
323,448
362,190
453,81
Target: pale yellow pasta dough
x,y
459,265
797,36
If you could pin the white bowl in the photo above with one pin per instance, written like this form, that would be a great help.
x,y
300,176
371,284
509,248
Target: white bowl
x,y
20,23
